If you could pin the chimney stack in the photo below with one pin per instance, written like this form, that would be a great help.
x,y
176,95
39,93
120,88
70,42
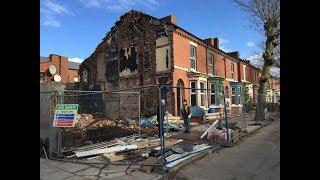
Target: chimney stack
x,y
234,54
170,19
213,42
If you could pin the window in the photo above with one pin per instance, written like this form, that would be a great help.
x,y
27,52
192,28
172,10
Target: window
x,y
244,72
193,57
202,94
212,94
254,77
211,63
84,77
193,93
233,95
232,70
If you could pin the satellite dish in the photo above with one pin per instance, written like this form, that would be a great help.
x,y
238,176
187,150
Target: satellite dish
x,y
57,78
52,69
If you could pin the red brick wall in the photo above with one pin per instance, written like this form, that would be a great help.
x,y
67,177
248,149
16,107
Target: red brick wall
x,y
181,53
71,75
218,65
181,74
61,63
181,48
228,69
201,59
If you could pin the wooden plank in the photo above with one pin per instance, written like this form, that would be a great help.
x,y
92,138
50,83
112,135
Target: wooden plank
x,y
112,157
188,160
106,150
177,158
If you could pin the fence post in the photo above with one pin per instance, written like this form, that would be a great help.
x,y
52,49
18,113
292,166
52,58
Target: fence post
x,y
226,116
161,127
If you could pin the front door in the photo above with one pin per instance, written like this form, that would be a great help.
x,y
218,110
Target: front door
x,y
179,96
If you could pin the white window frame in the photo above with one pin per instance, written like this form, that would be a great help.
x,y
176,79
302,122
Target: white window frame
x,y
244,72
233,94
212,93
232,70
211,63
195,92
202,93
193,58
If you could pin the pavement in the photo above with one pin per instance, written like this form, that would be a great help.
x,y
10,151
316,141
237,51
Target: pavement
x,y
232,159
255,157
56,170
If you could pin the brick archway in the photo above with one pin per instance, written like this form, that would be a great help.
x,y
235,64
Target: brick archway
x,y
180,95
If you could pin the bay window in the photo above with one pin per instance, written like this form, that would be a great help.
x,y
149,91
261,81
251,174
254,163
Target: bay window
x,y
193,94
202,94
212,94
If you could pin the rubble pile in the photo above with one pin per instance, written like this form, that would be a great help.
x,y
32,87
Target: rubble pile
x,y
84,120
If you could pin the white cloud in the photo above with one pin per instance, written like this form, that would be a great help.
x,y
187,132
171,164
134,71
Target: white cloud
x,y
91,3
222,45
51,22
119,5
250,44
76,59
49,10
223,41
257,61
223,48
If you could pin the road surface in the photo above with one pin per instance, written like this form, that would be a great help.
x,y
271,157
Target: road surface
x,y
256,156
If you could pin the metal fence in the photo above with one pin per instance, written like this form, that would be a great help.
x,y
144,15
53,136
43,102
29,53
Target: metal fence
x,y
106,115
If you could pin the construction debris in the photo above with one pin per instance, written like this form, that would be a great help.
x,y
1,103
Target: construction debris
x,y
106,150
84,120
112,157
146,166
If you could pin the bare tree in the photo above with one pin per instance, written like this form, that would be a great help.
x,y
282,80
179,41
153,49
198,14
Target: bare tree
x,y
264,16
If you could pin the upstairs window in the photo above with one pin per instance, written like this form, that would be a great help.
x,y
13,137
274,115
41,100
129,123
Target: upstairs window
x,y
193,57
232,70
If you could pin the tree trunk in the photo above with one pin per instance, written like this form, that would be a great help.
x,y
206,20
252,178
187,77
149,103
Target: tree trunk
x,y
268,61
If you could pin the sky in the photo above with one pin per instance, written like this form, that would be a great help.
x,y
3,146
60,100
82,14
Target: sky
x,y
74,28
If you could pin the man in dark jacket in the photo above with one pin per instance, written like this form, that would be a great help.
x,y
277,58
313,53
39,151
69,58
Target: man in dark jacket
x,y
162,112
185,112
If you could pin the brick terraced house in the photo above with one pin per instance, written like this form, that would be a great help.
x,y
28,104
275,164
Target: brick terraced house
x,y
141,50
67,70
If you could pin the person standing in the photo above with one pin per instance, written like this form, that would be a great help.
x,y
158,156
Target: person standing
x,y
163,114
185,112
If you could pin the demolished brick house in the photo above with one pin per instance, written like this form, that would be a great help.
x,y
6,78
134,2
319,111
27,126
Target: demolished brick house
x,y
142,50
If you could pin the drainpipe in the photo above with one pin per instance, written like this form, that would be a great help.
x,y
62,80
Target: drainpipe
x,y
225,68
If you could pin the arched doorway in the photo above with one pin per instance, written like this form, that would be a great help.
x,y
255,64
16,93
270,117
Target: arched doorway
x,y
180,95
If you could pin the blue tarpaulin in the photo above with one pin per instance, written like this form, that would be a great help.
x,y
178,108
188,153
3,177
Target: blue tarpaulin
x,y
197,112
